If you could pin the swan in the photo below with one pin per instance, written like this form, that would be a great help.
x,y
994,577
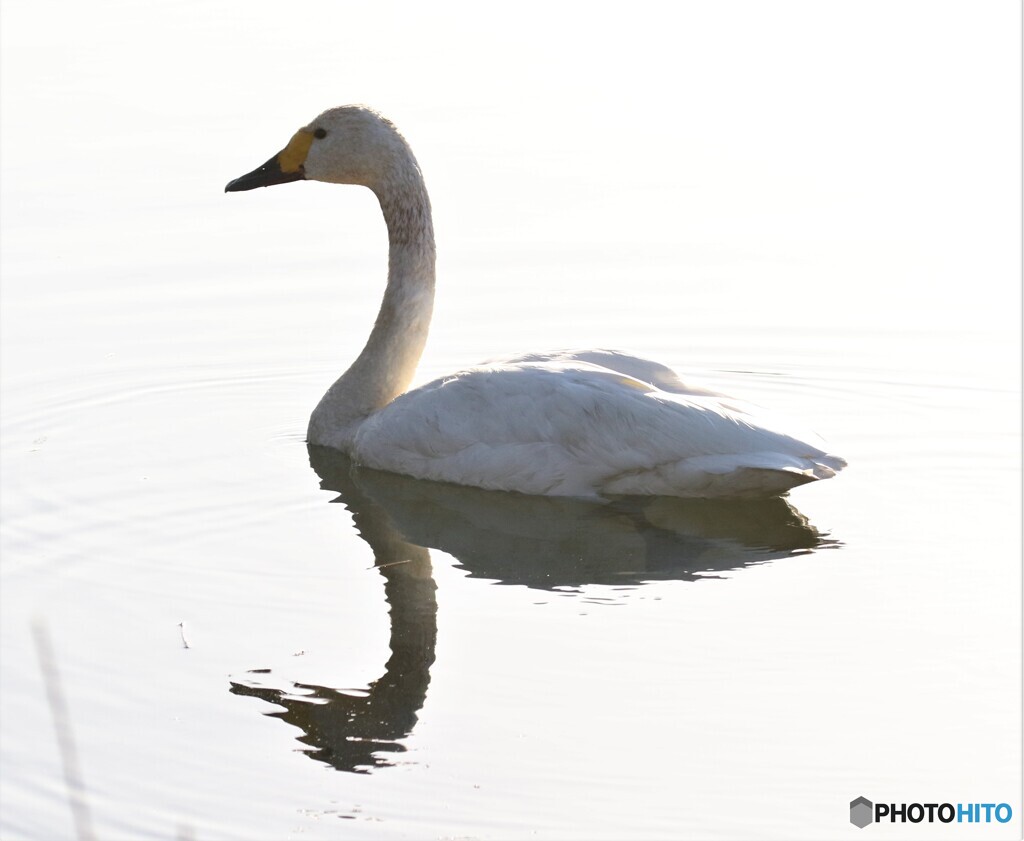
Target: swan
x,y
590,423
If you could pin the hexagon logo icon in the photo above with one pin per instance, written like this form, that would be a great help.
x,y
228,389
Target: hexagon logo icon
x,y
861,812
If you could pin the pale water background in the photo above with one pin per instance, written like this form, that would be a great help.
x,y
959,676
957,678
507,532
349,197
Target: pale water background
x,y
811,205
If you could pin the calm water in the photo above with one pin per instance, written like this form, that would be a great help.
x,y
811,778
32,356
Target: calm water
x,y
420,661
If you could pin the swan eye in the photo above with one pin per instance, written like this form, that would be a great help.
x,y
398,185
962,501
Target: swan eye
x,y
320,133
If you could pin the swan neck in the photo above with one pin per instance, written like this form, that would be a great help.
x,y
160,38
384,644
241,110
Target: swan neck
x,y
388,362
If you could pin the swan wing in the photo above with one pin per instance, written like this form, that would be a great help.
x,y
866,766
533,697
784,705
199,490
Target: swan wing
x,y
577,428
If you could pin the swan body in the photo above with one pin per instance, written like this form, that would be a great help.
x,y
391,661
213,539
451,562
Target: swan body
x,y
568,423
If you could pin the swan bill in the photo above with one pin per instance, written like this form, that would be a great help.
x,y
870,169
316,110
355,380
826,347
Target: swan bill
x,y
265,176
287,165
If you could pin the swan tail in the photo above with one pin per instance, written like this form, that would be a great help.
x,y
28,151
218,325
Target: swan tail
x,y
724,476
827,466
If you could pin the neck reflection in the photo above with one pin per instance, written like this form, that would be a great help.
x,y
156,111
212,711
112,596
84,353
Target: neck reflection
x,y
358,731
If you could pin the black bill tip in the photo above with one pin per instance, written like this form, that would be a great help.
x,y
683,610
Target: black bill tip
x,y
264,176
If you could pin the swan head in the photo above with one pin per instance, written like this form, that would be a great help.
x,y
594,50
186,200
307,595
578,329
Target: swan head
x,y
347,145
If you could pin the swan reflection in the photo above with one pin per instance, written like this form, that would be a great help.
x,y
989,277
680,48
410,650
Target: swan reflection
x,y
538,542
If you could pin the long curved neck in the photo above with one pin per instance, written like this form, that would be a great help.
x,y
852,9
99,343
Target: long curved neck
x,y
386,366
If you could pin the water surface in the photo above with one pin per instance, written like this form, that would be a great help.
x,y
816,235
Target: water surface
x,y
428,661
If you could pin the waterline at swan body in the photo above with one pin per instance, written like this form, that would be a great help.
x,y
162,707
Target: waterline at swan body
x,y
568,423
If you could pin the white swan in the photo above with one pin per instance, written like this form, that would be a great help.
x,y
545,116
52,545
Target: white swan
x,y
587,423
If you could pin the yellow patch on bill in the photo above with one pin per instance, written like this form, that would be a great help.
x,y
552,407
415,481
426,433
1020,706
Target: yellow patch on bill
x,y
293,156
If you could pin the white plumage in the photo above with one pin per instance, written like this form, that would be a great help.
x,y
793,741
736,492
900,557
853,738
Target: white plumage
x,y
569,423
